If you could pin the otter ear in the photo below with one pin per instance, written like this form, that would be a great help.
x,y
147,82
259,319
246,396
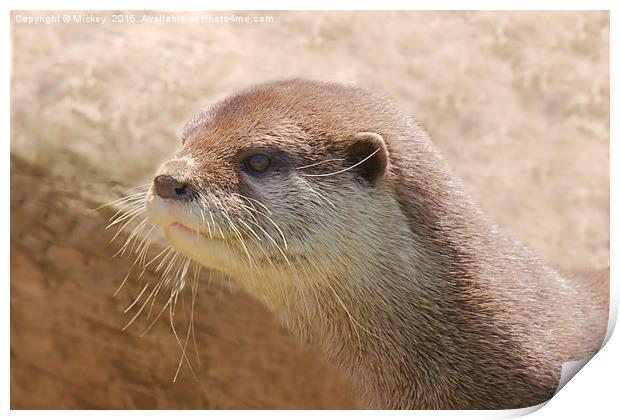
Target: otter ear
x,y
369,154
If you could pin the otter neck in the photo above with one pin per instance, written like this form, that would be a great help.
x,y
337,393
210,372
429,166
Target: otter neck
x,y
360,311
379,326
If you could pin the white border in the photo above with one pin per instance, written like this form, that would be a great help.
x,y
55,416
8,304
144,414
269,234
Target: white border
x,y
593,392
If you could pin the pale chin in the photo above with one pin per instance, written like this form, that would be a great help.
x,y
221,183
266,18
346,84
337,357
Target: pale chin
x,y
211,253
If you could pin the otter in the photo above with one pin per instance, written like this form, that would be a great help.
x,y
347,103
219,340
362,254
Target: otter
x,y
336,210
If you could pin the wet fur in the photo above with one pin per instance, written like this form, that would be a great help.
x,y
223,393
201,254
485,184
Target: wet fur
x,y
401,281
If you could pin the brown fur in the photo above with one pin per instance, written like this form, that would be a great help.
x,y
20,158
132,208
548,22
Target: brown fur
x,y
402,282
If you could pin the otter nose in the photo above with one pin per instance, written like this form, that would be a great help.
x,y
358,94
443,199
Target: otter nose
x,y
167,186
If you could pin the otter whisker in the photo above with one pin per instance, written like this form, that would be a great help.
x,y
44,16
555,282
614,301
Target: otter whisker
x,y
148,184
127,207
124,198
135,263
213,223
143,248
138,195
319,163
132,236
139,311
255,201
171,252
181,277
136,299
124,281
251,211
158,287
273,241
277,228
240,237
170,267
176,293
143,189
127,219
318,194
167,249
222,234
143,243
204,222
250,229
137,232
183,355
345,169
124,212
163,279
274,224
160,284
134,214
195,282
154,321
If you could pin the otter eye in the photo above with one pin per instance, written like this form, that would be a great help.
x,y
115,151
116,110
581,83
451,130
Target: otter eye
x,y
257,164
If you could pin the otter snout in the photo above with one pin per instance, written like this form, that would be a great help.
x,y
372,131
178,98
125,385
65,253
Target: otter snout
x,y
168,186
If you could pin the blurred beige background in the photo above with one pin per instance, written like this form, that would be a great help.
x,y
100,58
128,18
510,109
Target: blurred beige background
x,y
517,102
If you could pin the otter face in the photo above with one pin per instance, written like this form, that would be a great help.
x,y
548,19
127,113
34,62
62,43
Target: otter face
x,y
256,197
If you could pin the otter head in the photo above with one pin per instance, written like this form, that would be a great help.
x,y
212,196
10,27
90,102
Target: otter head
x,y
279,185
